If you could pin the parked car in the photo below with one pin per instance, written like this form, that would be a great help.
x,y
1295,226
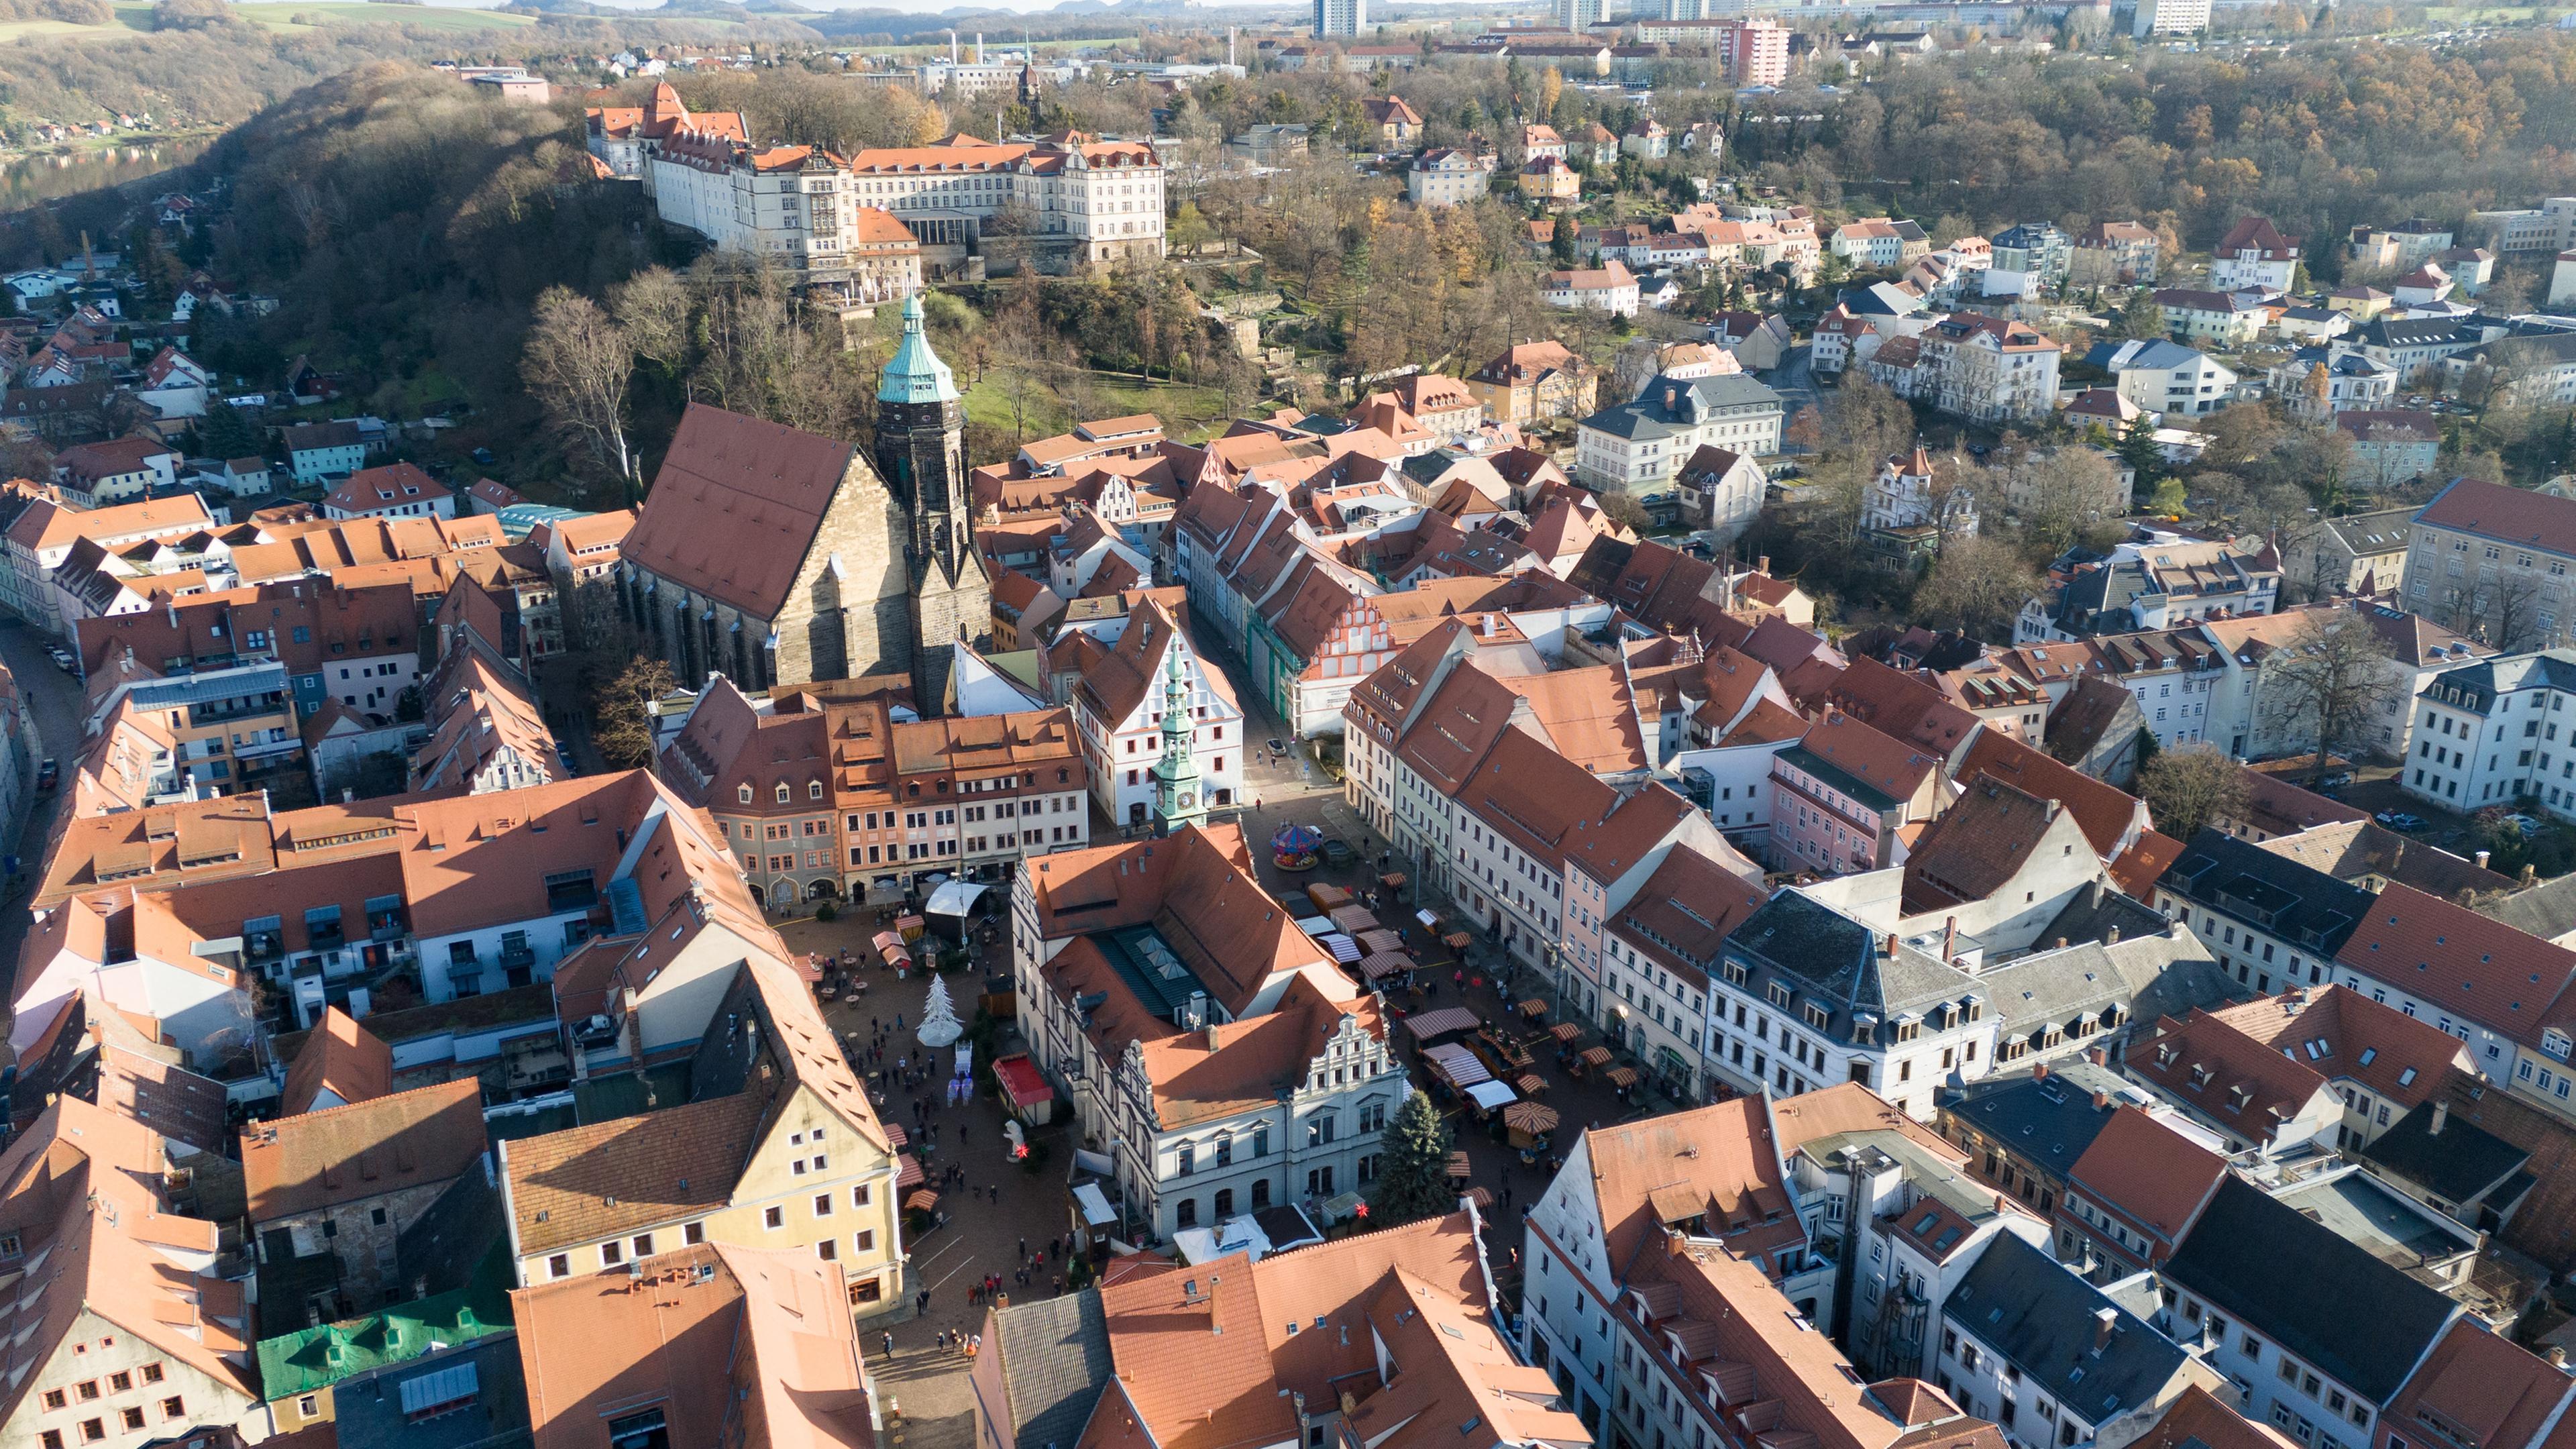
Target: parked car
x,y
484,457
2523,823
49,774
2399,820
2335,781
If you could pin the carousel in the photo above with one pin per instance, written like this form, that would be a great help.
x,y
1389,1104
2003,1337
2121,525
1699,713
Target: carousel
x,y
1295,847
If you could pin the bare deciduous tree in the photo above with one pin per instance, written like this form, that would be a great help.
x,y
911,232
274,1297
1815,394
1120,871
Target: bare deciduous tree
x,y
2191,787
578,365
2327,682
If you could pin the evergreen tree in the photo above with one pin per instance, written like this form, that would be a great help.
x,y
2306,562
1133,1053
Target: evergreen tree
x,y
1413,1174
2138,450
2142,317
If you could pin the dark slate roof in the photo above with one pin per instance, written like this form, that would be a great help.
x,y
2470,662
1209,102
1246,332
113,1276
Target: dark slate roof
x,y
2299,1283
2278,896
2546,910
1055,1358
2049,1120
1826,958
2045,1321
2478,684
1647,417
2461,1165
2416,332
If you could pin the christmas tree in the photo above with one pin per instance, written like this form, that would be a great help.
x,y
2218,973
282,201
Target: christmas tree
x,y
939,1026
1413,1176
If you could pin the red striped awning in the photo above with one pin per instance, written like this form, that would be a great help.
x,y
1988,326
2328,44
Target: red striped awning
x,y
911,1172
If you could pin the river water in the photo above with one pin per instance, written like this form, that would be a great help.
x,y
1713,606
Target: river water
x,y
31,180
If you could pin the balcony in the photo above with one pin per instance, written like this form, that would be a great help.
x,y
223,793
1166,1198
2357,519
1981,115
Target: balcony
x,y
325,935
519,956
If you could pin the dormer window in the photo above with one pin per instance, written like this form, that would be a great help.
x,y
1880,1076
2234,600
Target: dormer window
x,y
783,795
814,789
744,794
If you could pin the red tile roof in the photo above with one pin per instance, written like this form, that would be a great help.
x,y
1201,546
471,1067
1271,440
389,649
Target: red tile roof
x,y
2459,961
2506,514
2156,1177
735,507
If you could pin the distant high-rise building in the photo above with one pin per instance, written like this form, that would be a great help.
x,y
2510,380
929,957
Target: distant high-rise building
x,y
1581,15
1340,17
2171,17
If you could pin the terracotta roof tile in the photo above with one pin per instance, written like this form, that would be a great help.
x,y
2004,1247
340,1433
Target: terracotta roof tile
x,y
342,1058
735,507
2154,1176
2509,982
348,1154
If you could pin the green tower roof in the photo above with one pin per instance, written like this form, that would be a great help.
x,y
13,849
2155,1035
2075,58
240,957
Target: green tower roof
x,y
915,374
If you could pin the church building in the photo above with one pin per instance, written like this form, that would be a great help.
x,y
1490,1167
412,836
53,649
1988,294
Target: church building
x,y
777,557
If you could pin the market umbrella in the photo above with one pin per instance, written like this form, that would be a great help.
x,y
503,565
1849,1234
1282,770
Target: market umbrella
x,y
1530,1117
1596,1056
1565,1031
1622,1077
1459,1166
1533,1008
1531,1084
1482,1197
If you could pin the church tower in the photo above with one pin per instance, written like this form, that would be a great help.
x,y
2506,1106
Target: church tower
x,y
921,454
1179,796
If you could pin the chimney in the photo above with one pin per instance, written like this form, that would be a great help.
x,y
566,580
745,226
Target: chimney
x,y
2482,859
2556,1355
1949,938
2104,1320
2531,873
2061,943
2111,937
1762,565
2101,1101
2441,1117
2097,1056
2039,1073
1891,945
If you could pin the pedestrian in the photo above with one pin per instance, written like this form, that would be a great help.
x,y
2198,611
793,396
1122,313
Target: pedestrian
x,y
1507,1194
1059,1285
961,1134
876,1026
889,1343
1024,1250
921,1303
993,1192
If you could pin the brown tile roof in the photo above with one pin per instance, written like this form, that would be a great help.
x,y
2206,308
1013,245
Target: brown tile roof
x,y
2156,1177
340,1057
2234,1079
1977,845
2476,1387
1197,889
80,1191
1901,705
347,1154
2342,1033
1719,1161
1244,1065
2110,816
2137,868
628,1174
1850,1107
1191,1353
747,1345
1684,912
2451,956
2200,1420
735,507
1899,768
2507,514
1733,1326
2545,1225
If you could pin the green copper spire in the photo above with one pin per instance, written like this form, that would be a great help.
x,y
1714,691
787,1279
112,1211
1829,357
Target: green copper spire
x,y
915,374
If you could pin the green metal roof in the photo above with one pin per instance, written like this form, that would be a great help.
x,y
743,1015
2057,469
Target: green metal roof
x,y
316,1358
915,374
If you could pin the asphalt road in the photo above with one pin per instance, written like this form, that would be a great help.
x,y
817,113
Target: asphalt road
x,y
55,698
1795,381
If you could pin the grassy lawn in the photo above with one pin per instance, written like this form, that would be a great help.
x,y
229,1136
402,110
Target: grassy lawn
x,y
1188,413
46,29
288,15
